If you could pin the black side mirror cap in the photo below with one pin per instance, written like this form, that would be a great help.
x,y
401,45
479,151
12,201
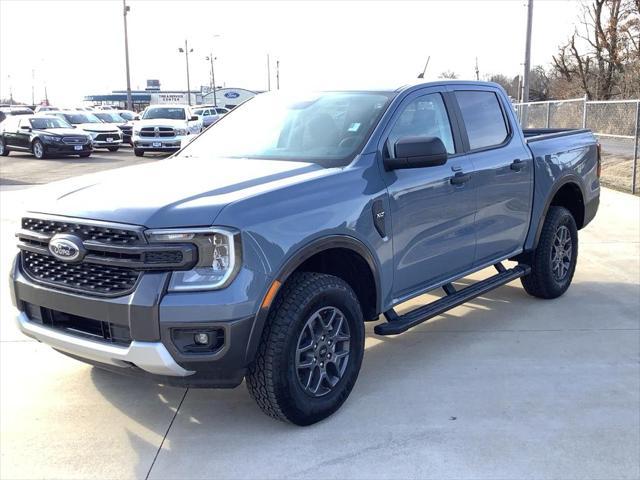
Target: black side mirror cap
x,y
417,152
194,118
25,127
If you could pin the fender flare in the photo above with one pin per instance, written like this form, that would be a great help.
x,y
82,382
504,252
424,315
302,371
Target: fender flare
x,y
565,180
298,258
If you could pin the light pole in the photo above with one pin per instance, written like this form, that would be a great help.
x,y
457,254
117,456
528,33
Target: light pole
x,y
186,57
125,10
213,78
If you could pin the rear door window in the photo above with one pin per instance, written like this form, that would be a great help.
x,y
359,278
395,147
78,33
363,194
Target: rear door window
x,y
483,118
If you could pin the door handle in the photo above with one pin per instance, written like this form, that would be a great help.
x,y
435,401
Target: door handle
x,y
517,165
460,178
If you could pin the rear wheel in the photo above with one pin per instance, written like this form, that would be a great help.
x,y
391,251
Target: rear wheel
x,y
38,149
554,260
4,151
138,152
311,350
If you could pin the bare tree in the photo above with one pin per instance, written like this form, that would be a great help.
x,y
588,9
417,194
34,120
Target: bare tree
x,y
599,52
448,75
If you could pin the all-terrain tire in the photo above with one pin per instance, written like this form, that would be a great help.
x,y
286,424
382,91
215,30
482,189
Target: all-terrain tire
x,y
544,281
273,378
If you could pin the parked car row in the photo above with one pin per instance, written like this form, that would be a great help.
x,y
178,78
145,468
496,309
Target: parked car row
x,y
160,128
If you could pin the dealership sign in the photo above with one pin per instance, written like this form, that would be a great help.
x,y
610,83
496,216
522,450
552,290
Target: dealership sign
x,y
232,94
160,98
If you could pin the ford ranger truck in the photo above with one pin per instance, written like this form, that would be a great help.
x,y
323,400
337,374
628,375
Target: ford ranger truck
x,y
164,128
259,250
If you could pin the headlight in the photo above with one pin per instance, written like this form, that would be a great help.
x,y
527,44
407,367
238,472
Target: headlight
x,y
51,139
181,131
219,257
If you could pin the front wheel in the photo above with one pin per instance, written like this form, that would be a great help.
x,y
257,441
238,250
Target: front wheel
x,y
553,262
4,151
38,149
138,152
311,350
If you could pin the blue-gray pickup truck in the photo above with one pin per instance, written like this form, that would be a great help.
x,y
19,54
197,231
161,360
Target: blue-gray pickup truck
x,y
259,250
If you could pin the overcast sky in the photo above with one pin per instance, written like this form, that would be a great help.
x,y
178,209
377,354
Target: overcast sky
x,y
77,46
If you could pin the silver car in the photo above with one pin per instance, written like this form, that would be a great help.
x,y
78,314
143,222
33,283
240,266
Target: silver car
x,y
210,114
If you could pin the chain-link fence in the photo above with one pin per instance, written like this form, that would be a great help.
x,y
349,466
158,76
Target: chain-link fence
x,y
614,122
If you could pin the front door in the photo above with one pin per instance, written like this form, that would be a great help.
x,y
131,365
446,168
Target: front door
x,y
432,208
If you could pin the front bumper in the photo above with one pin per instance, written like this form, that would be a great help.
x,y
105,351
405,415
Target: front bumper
x,y
151,357
159,144
63,149
150,319
104,144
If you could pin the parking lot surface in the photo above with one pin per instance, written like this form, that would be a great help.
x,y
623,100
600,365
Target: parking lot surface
x,y
506,386
20,168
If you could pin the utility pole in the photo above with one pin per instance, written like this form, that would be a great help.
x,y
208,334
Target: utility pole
x,y
46,96
527,54
477,71
10,90
125,10
268,74
277,74
213,79
186,57
33,86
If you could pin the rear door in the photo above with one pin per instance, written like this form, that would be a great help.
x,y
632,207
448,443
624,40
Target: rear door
x,y
432,217
503,171
9,130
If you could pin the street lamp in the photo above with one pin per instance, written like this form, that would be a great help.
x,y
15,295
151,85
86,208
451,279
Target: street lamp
x,y
211,58
125,10
186,52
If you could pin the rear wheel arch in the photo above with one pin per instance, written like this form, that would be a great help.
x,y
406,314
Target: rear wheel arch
x,y
566,193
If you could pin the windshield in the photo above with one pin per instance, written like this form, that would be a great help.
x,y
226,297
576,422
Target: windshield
x,y
325,128
48,122
127,115
76,118
164,112
109,117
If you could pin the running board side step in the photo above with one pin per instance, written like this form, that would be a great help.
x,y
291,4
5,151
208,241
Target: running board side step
x,y
401,323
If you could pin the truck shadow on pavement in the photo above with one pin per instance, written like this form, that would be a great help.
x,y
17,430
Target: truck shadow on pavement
x,y
213,424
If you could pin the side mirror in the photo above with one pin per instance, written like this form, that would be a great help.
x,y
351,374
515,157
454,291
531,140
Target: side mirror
x,y
194,118
417,152
26,128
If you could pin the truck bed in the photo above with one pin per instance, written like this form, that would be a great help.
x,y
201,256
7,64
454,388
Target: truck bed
x,y
536,134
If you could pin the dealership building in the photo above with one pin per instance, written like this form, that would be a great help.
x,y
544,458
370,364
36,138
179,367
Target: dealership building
x,y
153,95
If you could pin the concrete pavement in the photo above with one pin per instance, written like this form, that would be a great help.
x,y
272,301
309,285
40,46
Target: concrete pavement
x,y
506,386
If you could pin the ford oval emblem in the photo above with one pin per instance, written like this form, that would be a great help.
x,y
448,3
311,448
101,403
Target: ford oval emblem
x,y
232,94
67,248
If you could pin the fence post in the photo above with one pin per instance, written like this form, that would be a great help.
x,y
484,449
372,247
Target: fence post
x,y
635,149
584,113
548,112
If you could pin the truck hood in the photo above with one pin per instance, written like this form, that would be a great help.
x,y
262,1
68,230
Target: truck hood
x,y
161,122
177,192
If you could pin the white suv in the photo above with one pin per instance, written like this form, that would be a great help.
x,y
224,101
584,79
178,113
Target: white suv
x,y
165,128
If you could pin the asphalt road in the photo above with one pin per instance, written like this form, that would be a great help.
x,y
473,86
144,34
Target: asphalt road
x,y
506,386
24,169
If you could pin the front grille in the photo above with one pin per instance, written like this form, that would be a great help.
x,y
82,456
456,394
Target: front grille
x,y
163,257
88,277
74,140
115,255
157,132
103,137
87,231
79,326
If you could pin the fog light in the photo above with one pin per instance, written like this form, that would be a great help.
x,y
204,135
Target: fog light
x,y
201,338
